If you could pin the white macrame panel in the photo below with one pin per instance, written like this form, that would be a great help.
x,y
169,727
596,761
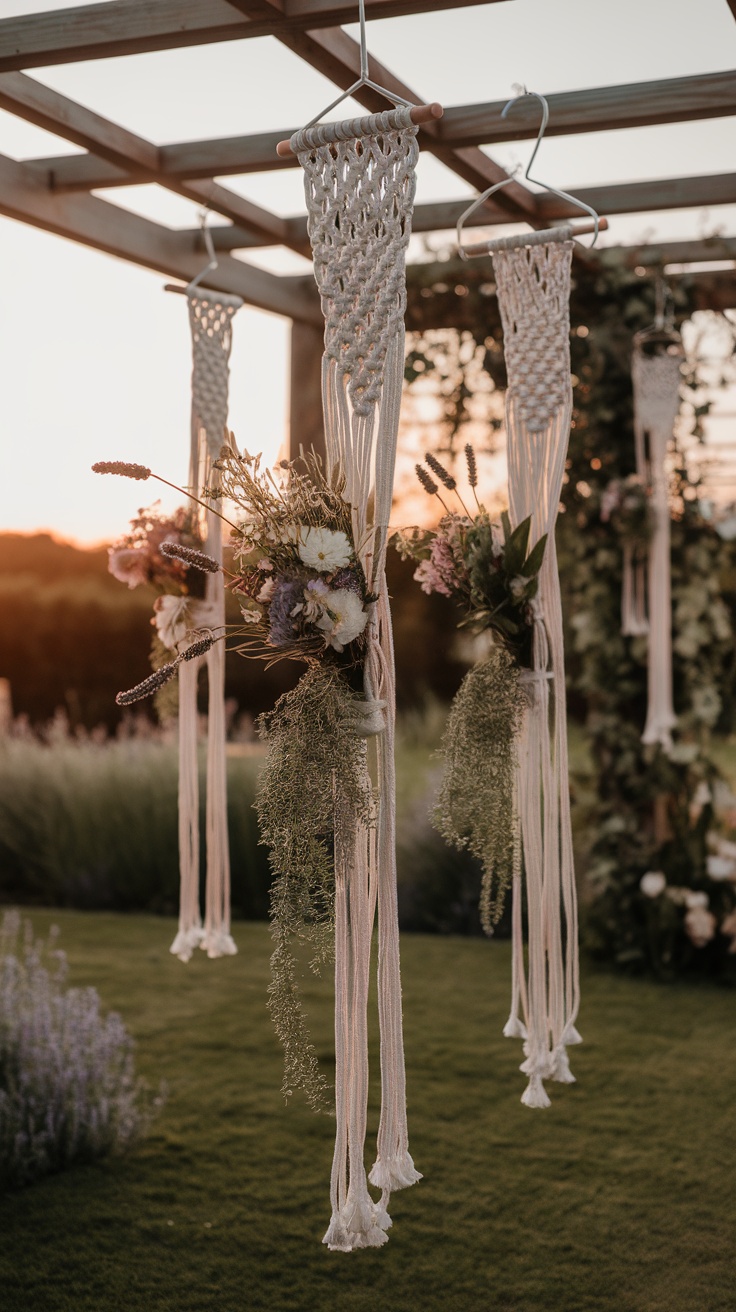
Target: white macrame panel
x,y
656,381
210,320
533,286
360,192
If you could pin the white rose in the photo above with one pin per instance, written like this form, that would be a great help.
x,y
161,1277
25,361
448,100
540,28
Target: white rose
x,y
652,883
720,867
324,549
170,616
346,619
695,900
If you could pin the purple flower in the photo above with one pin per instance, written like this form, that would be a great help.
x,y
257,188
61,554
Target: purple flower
x,y
440,572
284,626
348,580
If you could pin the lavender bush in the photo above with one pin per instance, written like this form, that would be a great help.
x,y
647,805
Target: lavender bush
x,y
68,1089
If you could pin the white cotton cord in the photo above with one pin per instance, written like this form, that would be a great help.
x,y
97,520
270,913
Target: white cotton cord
x,y
210,318
217,940
359,202
190,931
656,382
533,290
634,621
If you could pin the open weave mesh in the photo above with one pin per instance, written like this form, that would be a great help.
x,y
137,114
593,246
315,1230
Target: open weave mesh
x,y
359,199
535,311
210,318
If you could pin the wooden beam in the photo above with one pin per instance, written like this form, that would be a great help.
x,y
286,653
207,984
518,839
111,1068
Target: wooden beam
x,y
598,109
48,109
306,419
131,27
640,197
108,228
639,104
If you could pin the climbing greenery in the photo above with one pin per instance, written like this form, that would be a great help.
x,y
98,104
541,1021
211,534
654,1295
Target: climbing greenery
x,y
314,791
649,812
475,807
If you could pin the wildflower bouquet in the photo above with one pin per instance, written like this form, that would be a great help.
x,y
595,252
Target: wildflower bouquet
x,y
139,557
303,596
491,572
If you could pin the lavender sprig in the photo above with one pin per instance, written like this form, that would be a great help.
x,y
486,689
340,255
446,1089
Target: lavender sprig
x,y
122,467
190,556
441,472
165,673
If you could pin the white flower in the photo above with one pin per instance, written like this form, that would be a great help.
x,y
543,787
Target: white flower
x,y
695,900
652,883
720,867
266,592
324,549
343,617
518,586
170,616
250,616
700,926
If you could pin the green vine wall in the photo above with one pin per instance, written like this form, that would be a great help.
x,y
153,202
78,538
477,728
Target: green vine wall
x,y
658,827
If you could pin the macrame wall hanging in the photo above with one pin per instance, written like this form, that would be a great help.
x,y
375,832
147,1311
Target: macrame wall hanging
x,y
359,184
656,375
532,275
210,320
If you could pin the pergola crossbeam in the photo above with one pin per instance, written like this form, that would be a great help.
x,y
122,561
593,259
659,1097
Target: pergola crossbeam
x,y
48,109
133,27
115,231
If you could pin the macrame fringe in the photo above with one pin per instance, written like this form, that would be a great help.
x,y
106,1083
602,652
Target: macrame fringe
x,y
656,381
210,316
533,292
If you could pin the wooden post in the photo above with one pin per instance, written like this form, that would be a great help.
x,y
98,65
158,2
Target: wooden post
x,y
306,424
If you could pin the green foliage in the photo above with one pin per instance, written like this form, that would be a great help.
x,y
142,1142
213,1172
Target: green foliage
x,y
225,1202
475,807
313,792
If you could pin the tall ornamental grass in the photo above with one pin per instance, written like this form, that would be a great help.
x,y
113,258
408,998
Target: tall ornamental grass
x,y
68,1089
91,822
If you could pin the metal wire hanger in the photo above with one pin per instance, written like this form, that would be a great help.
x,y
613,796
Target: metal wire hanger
x,y
419,113
211,264
558,233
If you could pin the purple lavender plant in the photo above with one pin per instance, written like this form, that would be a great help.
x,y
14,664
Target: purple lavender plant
x,y
68,1089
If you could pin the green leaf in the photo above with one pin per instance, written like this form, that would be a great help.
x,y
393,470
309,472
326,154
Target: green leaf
x,y
506,525
515,551
533,562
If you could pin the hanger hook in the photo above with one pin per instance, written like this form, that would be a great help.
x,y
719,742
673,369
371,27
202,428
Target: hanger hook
x,y
563,195
209,246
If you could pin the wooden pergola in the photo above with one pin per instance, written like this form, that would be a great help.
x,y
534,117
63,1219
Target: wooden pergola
x,y
55,193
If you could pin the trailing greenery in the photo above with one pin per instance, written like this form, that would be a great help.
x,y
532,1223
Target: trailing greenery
x,y
475,807
225,1202
313,793
651,812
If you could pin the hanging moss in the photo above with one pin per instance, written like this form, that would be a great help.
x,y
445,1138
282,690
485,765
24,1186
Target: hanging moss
x,y
315,780
475,806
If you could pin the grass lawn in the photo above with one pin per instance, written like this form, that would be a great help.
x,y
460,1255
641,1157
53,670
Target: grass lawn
x,y
620,1198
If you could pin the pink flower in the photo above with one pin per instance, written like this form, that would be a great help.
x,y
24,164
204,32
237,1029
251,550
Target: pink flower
x,y
129,565
439,573
700,926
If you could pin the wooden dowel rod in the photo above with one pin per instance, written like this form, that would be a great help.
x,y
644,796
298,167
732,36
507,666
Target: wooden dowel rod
x,y
175,287
531,238
419,114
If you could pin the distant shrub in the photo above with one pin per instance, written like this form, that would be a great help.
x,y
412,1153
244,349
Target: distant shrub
x,y
68,1090
91,822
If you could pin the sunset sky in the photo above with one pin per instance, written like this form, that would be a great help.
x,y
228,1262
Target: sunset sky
x,y
96,358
